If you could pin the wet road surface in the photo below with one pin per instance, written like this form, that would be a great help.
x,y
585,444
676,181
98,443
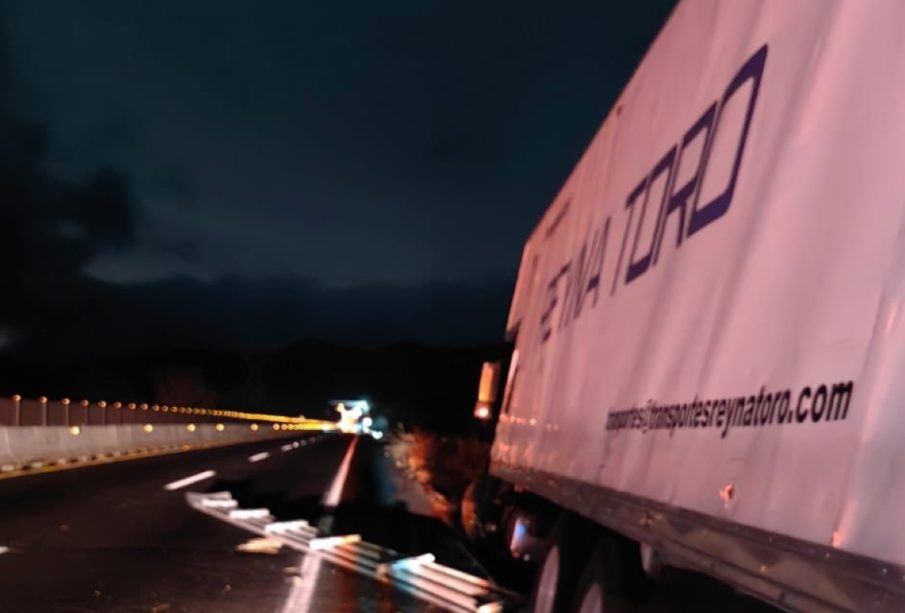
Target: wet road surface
x,y
113,538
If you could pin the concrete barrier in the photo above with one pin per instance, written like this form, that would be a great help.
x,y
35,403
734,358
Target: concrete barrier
x,y
43,411
57,413
78,413
8,411
97,413
36,446
31,412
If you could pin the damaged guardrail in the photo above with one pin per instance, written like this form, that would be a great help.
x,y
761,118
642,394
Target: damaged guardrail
x,y
420,576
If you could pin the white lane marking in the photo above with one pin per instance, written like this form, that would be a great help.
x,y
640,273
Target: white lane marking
x,y
286,448
302,594
334,494
303,586
175,485
258,457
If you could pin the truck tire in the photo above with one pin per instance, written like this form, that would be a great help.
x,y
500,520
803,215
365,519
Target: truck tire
x,y
557,574
468,514
480,510
612,580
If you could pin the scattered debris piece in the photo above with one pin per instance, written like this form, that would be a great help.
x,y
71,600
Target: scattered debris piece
x,y
264,545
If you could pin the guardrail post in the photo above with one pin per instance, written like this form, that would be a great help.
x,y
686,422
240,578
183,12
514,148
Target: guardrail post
x,y
84,404
65,403
17,410
102,405
43,401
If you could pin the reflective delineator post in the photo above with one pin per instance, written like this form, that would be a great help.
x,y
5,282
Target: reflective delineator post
x,y
17,410
65,403
43,401
87,406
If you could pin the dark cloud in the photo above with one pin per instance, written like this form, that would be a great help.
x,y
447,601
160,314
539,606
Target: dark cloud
x,y
174,184
53,228
408,128
233,314
235,174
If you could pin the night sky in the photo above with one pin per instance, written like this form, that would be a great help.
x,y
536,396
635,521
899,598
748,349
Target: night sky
x,y
232,174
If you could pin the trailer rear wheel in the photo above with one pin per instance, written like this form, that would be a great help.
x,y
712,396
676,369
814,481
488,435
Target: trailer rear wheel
x,y
559,568
544,600
594,593
592,601
612,579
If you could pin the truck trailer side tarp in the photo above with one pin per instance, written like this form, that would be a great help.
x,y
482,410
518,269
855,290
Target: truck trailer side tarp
x,y
711,313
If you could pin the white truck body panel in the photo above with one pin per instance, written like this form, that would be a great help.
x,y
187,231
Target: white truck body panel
x,y
650,375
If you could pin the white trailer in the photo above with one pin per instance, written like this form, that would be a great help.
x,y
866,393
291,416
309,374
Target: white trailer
x,y
709,320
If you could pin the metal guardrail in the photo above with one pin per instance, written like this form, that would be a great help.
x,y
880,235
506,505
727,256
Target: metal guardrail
x,y
419,576
42,411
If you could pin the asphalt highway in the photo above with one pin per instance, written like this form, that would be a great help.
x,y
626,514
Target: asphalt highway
x,y
121,537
